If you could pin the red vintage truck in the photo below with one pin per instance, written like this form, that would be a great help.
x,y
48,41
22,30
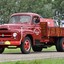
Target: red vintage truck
x,y
26,30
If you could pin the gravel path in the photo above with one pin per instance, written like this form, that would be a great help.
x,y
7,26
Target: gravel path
x,y
32,56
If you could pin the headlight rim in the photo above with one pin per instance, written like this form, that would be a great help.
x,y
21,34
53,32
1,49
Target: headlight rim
x,y
14,34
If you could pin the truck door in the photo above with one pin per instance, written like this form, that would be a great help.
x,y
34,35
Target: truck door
x,y
36,30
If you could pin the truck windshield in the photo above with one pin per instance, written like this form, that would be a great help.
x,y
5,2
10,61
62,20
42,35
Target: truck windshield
x,y
20,19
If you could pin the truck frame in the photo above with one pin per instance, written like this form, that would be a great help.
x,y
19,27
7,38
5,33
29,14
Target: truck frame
x,y
26,30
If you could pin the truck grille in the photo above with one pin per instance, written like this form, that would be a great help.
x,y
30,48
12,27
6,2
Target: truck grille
x,y
5,35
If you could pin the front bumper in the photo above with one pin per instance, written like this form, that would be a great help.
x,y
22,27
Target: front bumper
x,y
10,43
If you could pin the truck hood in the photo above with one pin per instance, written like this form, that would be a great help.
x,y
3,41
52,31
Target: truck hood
x,y
10,26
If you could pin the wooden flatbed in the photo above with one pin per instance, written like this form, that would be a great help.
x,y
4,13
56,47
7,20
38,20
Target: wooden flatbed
x,y
51,31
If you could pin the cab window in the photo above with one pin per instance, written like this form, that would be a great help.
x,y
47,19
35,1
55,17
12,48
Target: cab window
x,y
36,19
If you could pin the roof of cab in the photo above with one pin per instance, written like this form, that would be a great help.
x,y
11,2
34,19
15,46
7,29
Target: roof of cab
x,y
28,13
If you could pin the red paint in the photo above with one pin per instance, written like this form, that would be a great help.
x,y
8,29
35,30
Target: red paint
x,y
28,28
27,45
15,43
50,22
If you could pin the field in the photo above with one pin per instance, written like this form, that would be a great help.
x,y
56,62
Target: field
x,y
44,61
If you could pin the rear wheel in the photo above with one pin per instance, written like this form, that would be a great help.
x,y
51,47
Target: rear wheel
x,y
60,45
37,48
26,46
1,50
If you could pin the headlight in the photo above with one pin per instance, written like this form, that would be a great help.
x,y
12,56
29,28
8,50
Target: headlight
x,y
14,35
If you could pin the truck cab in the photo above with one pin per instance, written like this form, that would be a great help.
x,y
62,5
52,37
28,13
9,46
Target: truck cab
x,y
26,30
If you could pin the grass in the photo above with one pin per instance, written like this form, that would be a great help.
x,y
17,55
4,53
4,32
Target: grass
x,y
12,50
18,50
50,49
43,61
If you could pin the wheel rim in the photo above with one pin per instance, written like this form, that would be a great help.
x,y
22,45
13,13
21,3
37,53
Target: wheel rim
x,y
27,45
63,45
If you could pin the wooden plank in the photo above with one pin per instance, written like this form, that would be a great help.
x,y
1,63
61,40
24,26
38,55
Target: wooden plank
x,y
43,26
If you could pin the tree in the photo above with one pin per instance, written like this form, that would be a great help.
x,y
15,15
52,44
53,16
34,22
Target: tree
x,y
45,8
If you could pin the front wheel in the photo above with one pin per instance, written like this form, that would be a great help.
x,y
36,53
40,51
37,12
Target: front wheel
x,y
26,45
60,45
1,50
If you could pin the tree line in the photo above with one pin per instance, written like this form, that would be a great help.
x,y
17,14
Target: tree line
x,y
46,8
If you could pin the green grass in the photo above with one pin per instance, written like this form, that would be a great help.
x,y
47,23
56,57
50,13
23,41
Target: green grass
x,y
43,61
50,49
12,50
18,50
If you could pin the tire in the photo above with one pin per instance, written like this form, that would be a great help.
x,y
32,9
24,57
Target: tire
x,y
1,50
26,46
60,45
37,48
